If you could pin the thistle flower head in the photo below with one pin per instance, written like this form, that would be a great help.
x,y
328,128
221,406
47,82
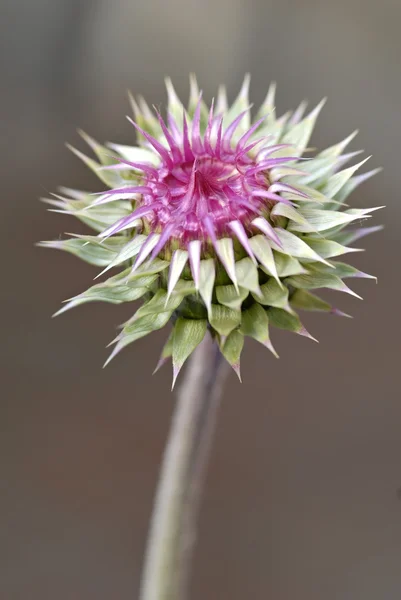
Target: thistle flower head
x,y
218,222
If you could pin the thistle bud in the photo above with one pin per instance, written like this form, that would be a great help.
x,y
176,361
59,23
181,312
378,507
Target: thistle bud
x,y
217,222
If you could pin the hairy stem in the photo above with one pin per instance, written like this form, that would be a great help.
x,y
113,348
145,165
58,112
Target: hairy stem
x,y
173,528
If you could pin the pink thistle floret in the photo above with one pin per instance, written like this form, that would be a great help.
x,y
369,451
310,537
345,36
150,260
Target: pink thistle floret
x,y
204,188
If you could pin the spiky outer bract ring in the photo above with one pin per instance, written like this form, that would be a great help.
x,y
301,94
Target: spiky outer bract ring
x,y
218,222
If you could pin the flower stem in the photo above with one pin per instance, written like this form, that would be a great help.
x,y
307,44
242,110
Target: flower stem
x,y
173,528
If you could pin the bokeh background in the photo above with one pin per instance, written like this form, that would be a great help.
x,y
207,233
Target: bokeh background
x,y
301,499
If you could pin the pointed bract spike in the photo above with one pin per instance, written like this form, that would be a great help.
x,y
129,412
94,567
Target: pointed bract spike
x,y
93,253
120,194
143,116
160,363
119,167
221,104
166,353
305,333
267,344
268,104
272,294
348,290
354,182
362,212
336,150
137,154
113,354
304,300
193,92
57,244
159,304
107,177
126,222
241,103
315,112
298,113
135,329
175,106
150,267
225,251
277,173
146,249
263,252
288,321
112,291
88,161
115,340
299,134
127,189
338,180
72,193
98,149
255,324
324,220
173,127
276,127
294,246
63,309
247,275
231,349
207,275
270,99
134,106
237,371
238,229
244,91
348,237
329,248
358,179
291,213
194,252
346,157
223,319
176,372
178,262
187,335
228,296
129,250
340,313
284,187
150,119
210,228
267,229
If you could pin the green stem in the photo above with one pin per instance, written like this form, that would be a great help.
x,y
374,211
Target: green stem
x,y
173,528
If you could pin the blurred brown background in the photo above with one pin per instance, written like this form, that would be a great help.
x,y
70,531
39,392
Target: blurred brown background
x,y
301,499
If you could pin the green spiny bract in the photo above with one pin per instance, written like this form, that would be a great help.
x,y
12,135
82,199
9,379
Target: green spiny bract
x,y
216,222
